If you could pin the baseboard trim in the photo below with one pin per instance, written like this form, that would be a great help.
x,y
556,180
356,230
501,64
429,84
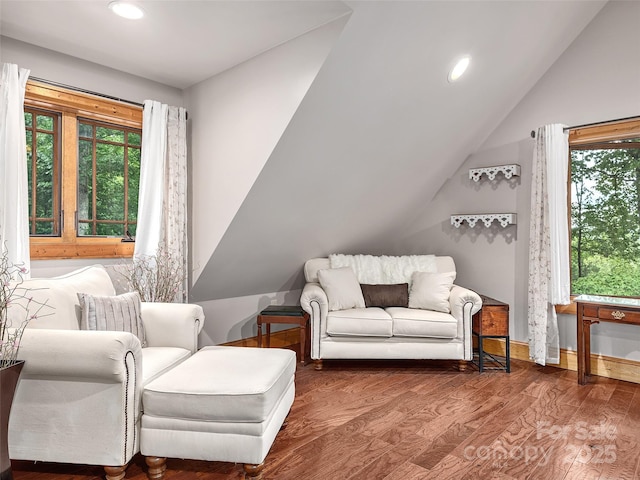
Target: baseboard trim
x,y
601,365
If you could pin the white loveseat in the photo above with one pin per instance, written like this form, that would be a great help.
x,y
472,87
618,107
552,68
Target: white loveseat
x,y
79,396
395,332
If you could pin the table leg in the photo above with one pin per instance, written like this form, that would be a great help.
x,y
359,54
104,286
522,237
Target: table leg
x,y
268,335
581,349
508,359
303,340
260,331
587,348
480,354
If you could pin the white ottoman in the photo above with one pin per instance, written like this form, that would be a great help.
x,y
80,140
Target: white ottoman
x,y
222,404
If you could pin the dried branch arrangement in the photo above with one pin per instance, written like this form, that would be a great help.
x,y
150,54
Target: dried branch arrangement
x,y
157,278
19,299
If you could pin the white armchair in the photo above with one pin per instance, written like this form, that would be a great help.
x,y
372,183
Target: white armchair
x,y
79,396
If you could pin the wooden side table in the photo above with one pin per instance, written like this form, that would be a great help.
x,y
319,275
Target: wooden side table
x,y
284,314
594,309
492,321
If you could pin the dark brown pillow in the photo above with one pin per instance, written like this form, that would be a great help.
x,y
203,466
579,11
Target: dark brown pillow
x,y
391,295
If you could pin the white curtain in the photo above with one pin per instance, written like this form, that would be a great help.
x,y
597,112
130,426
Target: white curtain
x,y
152,174
549,274
162,198
14,213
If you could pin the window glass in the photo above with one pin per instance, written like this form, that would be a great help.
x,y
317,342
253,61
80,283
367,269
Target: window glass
x,y
605,218
85,186
108,178
85,130
42,146
134,184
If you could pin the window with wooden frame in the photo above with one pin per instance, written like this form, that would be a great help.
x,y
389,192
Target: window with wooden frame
x,y
605,209
83,154
43,170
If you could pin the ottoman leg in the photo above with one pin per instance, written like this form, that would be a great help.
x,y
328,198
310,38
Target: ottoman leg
x,y
115,473
253,471
157,467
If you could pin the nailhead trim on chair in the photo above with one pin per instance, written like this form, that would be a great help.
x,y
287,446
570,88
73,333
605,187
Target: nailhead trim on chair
x,y
126,406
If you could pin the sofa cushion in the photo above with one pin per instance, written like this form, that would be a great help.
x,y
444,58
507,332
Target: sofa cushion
x,y
61,296
158,360
411,322
430,291
360,322
385,295
119,313
342,288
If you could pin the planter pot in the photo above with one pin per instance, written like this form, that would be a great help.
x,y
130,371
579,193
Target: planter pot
x,y
8,381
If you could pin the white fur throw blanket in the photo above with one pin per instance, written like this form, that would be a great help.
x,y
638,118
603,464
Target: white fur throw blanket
x,y
384,269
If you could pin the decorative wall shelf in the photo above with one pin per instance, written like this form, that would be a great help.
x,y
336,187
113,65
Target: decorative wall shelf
x,y
505,219
507,170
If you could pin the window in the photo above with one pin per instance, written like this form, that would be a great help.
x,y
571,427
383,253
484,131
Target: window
x,y
108,177
43,170
605,209
83,156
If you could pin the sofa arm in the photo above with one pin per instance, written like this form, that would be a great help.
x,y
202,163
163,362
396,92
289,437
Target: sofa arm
x,y
464,303
313,300
172,324
80,353
313,292
79,397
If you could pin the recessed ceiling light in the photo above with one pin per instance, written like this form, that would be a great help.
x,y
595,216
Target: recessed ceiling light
x,y
126,10
457,71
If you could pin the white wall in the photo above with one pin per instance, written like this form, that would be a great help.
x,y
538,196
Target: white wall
x,y
378,132
595,79
238,118
72,71
232,319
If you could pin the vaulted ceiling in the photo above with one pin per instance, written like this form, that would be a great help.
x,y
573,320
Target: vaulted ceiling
x,y
371,139
380,130
177,43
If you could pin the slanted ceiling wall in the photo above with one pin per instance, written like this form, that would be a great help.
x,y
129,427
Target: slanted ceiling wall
x,y
373,139
596,79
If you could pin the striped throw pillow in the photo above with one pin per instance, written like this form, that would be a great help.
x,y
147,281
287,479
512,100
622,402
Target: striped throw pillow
x,y
120,313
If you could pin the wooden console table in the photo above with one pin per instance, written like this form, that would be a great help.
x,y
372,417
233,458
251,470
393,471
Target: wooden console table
x,y
596,309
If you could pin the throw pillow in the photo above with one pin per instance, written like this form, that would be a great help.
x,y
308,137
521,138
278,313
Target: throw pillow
x,y
430,291
385,295
119,313
342,288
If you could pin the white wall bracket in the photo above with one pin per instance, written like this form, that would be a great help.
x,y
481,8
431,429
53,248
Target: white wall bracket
x,y
507,170
505,219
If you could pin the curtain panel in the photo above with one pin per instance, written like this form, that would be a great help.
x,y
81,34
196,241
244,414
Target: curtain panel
x,y
162,197
549,263
14,192
175,200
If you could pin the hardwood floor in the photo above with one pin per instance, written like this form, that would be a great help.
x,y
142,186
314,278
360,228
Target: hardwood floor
x,y
426,420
